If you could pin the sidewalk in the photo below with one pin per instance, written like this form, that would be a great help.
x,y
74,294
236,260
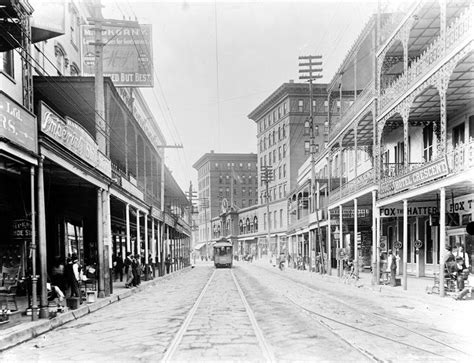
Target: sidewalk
x,y
26,329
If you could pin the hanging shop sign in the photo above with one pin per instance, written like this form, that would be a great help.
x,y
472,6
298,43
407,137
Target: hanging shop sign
x,y
462,205
431,171
127,54
415,209
21,229
348,213
17,124
75,138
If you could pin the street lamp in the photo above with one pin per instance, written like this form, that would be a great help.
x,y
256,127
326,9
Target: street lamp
x,y
309,73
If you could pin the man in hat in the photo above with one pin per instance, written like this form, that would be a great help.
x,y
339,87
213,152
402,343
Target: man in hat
x,y
73,275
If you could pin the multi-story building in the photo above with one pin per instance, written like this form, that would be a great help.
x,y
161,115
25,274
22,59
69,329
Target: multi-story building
x,y
399,165
280,143
225,181
95,184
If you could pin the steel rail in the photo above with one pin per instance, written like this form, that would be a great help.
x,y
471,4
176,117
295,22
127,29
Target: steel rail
x,y
179,335
266,350
326,295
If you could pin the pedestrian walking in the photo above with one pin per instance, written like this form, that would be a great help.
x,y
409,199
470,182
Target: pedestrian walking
x,y
128,269
168,263
118,267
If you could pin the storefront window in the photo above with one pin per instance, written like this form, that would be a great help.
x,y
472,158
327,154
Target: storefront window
x,y
75,240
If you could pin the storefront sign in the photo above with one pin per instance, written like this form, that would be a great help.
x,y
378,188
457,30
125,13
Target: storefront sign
x,y
21,229
413,210
17,124
157,213
422,175
75,138
169,220
461,205
348,213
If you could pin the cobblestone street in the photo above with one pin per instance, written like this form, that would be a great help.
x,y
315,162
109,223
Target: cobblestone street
x,y
298,316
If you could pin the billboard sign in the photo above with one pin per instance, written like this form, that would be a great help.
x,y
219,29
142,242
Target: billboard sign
x,y
127,54
17,124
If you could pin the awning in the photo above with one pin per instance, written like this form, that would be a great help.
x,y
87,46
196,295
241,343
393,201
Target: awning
x,y
199,246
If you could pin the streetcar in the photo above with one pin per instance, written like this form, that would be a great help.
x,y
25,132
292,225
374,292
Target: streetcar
x,y
223,253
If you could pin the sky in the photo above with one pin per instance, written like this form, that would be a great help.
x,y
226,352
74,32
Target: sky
x,y
215,62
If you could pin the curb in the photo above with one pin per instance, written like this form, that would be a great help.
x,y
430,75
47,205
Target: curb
x,y
29,330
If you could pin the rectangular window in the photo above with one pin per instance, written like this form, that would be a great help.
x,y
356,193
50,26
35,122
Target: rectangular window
x,y
338,105
316,130
7,63
458,135
300,105
284,109
281,217
279,112
284,170
244,203
471,127
428,142
279,192
314,105
326,106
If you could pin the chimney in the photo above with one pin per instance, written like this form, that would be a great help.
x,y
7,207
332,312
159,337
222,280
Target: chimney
x,y
292,81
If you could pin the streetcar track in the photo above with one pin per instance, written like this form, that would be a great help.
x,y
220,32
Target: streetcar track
x,y
173,346
375,315
179,335
365,352
267,352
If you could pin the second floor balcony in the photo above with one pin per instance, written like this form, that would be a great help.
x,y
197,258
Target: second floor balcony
x,y
359,183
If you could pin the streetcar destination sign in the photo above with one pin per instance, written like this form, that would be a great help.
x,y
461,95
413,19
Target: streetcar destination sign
x,y
422,175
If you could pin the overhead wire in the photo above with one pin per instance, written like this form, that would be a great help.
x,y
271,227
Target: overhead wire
x,y
55,84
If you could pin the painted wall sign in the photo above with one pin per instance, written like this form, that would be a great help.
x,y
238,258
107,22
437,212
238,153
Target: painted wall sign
x,y
73,137
422,175
17,124
127,55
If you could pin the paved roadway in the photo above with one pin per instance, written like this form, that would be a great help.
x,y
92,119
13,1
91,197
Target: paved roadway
x,y
255,312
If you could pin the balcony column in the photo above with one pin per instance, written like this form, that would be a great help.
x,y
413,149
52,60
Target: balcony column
x,y
153,245
442,21
442,238
405,242
100,244
442,107
405,141
355,77
127,226
355,151
341,244
138,244
377,256
374,239
356,247
329,244
146,244
340,167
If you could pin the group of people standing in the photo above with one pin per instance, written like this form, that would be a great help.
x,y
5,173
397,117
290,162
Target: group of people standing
x,y
457,268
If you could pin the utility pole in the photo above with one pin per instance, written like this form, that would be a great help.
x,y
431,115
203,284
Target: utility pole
x,y
309,73
266,177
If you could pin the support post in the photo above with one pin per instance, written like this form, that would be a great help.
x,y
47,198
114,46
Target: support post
x,y
146,245
341,243
405,242
34,279
100,245
442,239
329,239
356,247
127,226
374,240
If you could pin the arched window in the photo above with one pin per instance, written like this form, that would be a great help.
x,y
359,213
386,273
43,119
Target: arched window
x,y
62,62
241,227
255,223
279,133
284,130
247,226
74,70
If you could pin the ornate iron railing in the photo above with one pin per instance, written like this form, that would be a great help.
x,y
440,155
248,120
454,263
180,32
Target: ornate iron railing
x,y
361,102
460,28
461,157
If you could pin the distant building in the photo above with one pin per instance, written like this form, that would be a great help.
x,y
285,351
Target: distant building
x,y
281,145
225,181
